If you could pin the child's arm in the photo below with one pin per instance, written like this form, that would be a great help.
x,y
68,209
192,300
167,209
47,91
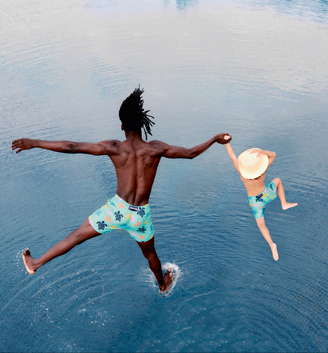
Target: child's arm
x,y
232,156
271,155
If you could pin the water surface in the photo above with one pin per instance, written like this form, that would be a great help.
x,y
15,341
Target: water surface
x,y
255,69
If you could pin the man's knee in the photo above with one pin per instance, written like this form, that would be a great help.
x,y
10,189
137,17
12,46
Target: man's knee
x,y
149,255
76,237
147,248
81,234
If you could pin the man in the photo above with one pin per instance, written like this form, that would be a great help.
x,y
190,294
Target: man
x,y
135,162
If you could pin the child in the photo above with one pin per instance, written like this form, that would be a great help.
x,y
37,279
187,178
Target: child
x,y
251,166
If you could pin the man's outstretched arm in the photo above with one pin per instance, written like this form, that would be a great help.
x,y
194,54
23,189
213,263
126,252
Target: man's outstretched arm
x,y
100,148
190,153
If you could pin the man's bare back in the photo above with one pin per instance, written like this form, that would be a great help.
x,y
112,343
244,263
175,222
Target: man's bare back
x,y
136,165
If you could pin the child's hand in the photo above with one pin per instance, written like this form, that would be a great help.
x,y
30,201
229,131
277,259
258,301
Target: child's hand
x,y
257,151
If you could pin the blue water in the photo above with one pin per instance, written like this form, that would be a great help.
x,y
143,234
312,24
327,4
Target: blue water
x,y
255,69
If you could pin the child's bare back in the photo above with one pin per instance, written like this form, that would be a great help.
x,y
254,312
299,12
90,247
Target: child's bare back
x,y
254,186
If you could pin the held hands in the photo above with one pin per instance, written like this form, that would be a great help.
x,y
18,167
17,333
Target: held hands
x,y
223,138
21,145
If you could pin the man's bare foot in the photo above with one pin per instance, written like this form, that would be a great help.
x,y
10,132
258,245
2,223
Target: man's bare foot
x,y
168,278
288,205
274,251
28,260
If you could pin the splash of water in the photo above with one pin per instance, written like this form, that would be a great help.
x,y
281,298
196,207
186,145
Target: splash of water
x,y
152,280
177,273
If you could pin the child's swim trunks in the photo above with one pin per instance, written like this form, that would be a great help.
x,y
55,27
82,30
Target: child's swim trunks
x,y
257,203
118,214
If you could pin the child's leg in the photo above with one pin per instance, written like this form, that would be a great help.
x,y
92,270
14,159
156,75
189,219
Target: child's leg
x,y
266,234
78,236
281,193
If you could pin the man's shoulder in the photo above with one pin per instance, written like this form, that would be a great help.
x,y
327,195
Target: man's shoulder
x,y
111,146
156,144
158,147
110,142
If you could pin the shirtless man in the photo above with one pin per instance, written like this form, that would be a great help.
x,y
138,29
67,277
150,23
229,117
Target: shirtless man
x,y
135,162
251,166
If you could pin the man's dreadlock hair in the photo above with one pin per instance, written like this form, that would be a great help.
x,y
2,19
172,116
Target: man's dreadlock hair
x,y
132,114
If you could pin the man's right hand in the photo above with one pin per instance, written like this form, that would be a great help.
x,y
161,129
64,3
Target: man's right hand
x,y
21,145
223,138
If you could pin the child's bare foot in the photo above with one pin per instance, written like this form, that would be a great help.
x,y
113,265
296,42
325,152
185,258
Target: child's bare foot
x,y
274,251
168,278
288,205
28,262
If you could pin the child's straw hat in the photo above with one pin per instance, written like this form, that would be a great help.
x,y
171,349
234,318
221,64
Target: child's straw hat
x,y
252,166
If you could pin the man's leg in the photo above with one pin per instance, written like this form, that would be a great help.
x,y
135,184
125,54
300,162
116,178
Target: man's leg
x,y
281,193
265,232
78,236
149,252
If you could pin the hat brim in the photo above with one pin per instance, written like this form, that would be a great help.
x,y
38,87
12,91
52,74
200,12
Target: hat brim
x,y
256,173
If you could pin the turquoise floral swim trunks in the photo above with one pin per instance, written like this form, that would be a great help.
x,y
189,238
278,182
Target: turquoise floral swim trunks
x,y
118,214
258,203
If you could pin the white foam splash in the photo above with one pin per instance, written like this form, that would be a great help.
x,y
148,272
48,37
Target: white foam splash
x,y
177,273
19,260
150,278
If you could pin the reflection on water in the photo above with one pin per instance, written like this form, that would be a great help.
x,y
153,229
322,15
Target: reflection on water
x,y
306,10
207,66
301,9
184,4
